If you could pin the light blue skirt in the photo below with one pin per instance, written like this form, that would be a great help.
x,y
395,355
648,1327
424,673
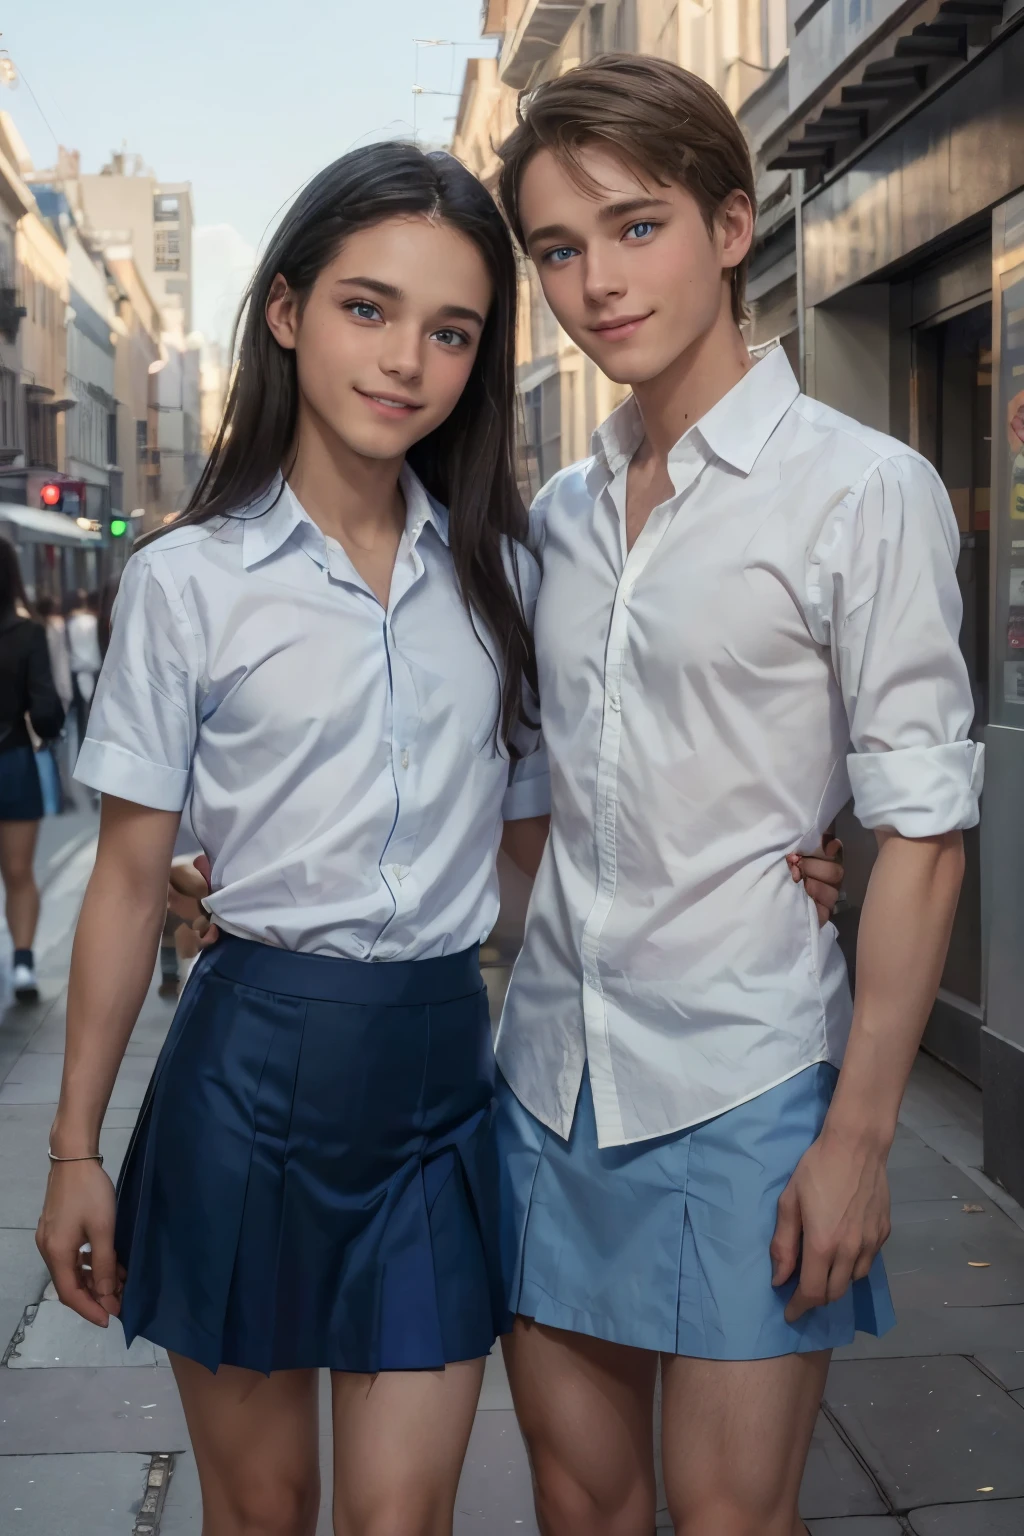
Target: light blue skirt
x,y
663,1244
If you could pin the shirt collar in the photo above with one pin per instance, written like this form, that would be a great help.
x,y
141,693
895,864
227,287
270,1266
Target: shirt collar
x,y
736,429
739,426
272,519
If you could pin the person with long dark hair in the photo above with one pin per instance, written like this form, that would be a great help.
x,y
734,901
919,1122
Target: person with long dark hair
x,y
328,657
27,694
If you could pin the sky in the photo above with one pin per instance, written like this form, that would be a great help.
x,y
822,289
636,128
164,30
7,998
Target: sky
x,y
245,99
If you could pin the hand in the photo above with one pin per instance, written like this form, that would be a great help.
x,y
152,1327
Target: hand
x,y
822,873
79,1208
833,1218
189,884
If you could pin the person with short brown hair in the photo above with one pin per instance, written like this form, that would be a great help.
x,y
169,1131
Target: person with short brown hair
x,y
748,612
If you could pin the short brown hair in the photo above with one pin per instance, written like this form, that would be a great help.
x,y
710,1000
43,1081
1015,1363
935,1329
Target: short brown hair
x,y
666,120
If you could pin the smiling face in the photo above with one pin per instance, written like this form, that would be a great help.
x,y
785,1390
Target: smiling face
x,y
387,337
628,265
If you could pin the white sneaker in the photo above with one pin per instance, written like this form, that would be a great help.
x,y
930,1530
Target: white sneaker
x,y
26,988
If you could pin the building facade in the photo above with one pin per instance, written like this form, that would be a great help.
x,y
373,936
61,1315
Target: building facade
x,y
126,208
888,142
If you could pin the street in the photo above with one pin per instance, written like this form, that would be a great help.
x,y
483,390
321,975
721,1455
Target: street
x,y
922,1431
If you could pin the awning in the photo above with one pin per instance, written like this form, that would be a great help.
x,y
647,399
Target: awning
x,y
532,374
41,527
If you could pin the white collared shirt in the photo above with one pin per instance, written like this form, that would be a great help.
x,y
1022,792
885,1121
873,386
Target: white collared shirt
x,y
338,762
783,633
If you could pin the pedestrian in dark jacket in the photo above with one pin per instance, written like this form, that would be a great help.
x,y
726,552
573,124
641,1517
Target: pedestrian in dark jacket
x,y
28,695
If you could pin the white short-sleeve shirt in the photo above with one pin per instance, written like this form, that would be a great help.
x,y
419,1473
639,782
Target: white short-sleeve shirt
x,y
339,763
783,633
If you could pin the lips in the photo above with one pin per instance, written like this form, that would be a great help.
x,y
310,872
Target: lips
x,y
620,328
393,405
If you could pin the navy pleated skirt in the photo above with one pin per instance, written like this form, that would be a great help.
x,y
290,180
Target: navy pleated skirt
x,y
312,1181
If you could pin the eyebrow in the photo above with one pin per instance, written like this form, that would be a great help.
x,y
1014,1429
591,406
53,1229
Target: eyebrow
x,y
389,291
609,212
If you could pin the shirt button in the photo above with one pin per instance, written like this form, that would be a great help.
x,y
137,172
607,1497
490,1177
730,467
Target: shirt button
x,y
405,757
613,700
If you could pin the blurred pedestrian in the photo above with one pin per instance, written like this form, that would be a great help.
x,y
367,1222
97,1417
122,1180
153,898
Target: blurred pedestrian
x,y
26,690
48,610
81,623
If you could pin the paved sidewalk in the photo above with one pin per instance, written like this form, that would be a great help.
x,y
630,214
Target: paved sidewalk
x,y
921,1432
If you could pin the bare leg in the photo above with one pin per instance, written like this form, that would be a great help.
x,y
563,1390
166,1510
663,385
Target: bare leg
x,y
735,1437
255,1439
586,1409
399,1443
17,851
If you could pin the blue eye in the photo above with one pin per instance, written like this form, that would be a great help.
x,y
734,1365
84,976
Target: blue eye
x,y
641,230
453,339
363,309
560,254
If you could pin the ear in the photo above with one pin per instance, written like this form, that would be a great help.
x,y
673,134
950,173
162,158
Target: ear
x,y
736,228
282,313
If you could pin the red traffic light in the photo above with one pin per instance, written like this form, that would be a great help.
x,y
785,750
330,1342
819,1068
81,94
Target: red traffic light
x,y
51,495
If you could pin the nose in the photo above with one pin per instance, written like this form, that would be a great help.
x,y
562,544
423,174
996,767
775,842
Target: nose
x,y
402,353
603,276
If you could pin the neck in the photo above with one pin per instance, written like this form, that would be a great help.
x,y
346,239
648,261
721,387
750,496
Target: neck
x,y
693,382
350,497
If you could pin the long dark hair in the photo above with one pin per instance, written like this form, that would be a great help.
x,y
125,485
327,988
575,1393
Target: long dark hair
x,y
12,587
468,462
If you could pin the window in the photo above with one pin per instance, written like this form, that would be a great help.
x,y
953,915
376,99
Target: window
x,y
166,207
167,250
42,436
111,437
8,408
141,442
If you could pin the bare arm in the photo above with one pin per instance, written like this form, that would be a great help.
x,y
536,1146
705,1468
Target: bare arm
x,y
111,968
838,1198
523,841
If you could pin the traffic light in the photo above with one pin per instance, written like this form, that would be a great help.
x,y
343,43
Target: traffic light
x,y
52,496
117,527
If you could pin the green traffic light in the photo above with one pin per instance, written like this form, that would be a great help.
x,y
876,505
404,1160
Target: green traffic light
x,y
118,527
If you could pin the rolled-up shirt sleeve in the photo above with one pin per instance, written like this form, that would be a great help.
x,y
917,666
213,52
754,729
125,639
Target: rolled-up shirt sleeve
x,y
142,725
895,622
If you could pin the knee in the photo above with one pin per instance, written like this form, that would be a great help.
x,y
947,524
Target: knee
x,y
19,877
725,1516
395,1517
280,1508
566,1507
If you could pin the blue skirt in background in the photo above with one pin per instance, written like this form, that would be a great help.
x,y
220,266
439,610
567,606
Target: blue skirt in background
x,y
312,1181
663,1244
21,795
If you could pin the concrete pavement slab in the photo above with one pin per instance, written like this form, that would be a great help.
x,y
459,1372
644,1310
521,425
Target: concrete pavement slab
x,y
87,1409
496,1491
834,1482
940,1330
933,1430
22,1278
1006,1365
24,1138
35,1079
58,1336
495,1392
859,1525
934,1180
79,1495
996,1517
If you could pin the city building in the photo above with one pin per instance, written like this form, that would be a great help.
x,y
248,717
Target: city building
x,y
124,207
34,384
888,142
137,328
